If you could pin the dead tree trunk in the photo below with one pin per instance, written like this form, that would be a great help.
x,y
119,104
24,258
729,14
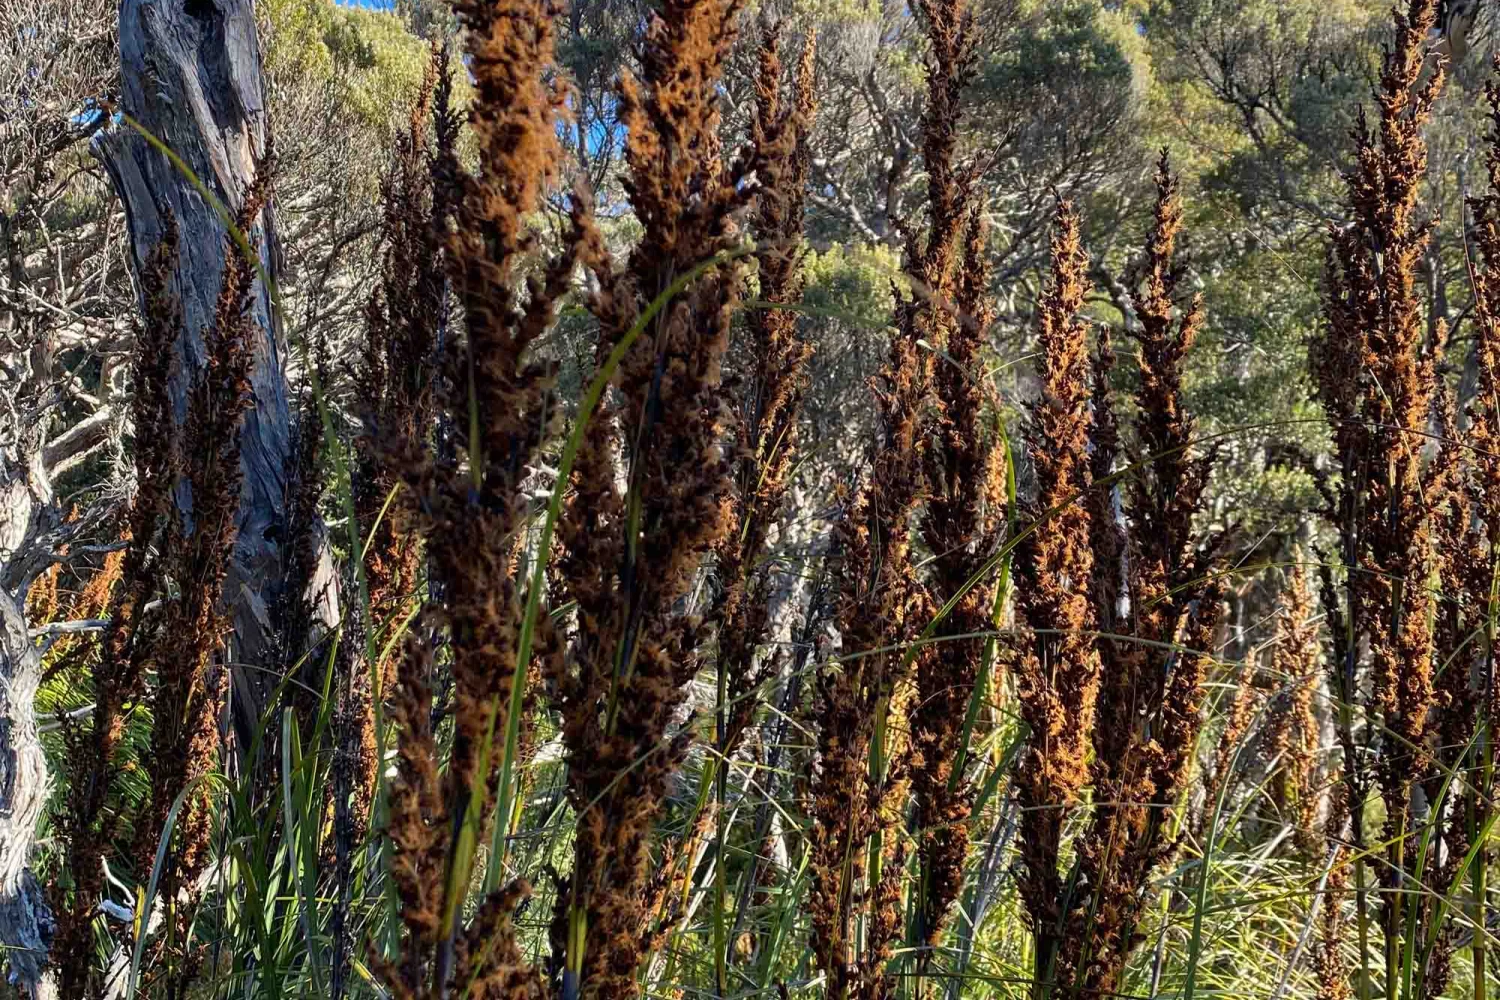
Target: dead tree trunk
x,y
25,919
27,516
191,77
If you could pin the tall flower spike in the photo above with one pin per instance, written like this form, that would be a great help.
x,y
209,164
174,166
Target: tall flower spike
x,y
1158,606
882,603
1332,970
632,555
1484,414
492,399
1056,666
1223,780
188,699
394,379
965,513
1375,373
765,433
771,398
89,819
1292,729
1462,487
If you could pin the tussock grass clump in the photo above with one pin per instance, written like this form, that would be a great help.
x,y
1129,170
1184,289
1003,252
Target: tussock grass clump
x,y
650,491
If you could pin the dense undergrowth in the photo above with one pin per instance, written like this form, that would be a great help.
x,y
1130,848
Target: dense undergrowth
x,y
612,708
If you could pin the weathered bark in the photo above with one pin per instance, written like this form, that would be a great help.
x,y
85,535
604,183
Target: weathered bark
x,y
27,514
191,76
25,919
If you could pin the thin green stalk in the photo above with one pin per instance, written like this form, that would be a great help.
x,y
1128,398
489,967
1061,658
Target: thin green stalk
x,y
297,822
1479,803
1362,915
1200,895
145,901
1414,968
1478,914
700,802
1395,905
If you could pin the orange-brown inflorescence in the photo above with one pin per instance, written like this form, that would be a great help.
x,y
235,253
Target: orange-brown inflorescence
x,y
188,699
865,765
402,324
1332,970
1465,489
1221,782
493,397
1056,665
496,396
1292,734
965,512
89,817
1464,576
50,600
75,651
652,489
1483,431
765,421
393,379
1154,650
771,396
1375,367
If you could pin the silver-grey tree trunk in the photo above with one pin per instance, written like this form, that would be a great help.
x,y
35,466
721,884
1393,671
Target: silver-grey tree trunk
x,y
25,919
191,77
27,515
